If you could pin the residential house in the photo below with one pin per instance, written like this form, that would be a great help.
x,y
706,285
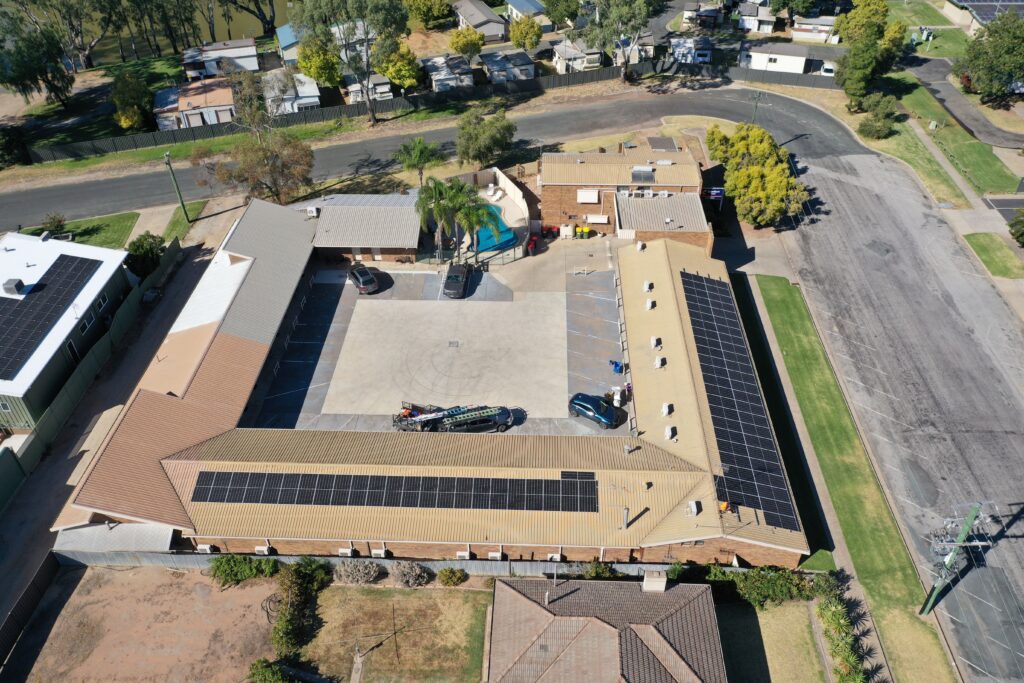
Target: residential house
x,y
709,16
690,10
604,632
57,300
287,94
757,18
579,188
790,58
447,72
380,88
288,38
813,29
517,9
570,56
165,108
214,59
676,216
476,14
510,65
202,103
642,49
691,50
353,37
366,227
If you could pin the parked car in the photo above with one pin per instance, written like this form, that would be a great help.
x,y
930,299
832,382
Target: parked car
x,y
363,279
476,421
596,409
456,281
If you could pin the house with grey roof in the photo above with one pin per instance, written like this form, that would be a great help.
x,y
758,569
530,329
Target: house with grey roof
x,y
364,227
570,56
604,631
672,215
476,14
447,72
510,65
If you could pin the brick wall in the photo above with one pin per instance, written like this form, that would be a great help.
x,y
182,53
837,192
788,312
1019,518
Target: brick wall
x,y
721,551
701,239
559,206
391,255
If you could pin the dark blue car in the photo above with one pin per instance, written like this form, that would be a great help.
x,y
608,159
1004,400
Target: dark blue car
x,y
594,408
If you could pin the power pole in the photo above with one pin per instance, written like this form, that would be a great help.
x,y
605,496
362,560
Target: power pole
x,y
177,190
757,101
946,569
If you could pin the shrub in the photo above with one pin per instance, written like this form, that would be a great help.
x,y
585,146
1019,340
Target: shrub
x,y
410,574
489,583
847,659
144,254
451,576
263,671
13,149
1017,227
298,585
599,570
54,223
357,572
769,585
875,127
231,570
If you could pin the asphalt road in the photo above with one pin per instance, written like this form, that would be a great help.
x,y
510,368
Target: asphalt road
x,y
926,348
1007,207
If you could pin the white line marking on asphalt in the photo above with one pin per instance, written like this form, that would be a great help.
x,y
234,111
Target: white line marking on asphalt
x,y
887,417
998,643
854,341
949,615
884,393
975,666
907,500
979,598
862,364
306,388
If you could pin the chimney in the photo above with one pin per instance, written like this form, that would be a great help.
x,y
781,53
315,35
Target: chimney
x,y
655,581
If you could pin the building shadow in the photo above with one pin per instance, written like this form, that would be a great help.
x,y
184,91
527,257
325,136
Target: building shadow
x,y
742,642
794,457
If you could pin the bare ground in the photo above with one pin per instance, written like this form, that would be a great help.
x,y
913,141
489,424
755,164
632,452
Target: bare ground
x,y
151,624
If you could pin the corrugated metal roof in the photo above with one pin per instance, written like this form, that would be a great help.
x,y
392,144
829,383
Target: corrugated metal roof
x,y
370,221
681,212
104,538
280,241
476,13
527,7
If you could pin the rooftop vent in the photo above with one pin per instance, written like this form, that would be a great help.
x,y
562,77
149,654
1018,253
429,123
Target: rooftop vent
x,y
659,362
664,162
640,246
666,409
670,433
14,286
648,285
651,303
694,507
656,343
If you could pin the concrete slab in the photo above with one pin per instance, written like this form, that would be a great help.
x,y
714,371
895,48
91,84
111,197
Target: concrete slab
x,y
453,352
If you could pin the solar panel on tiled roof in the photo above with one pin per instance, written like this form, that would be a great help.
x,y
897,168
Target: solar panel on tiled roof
x,y
753,475
25,322
573,492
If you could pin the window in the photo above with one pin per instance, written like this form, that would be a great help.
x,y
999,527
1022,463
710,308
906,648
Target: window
x,y
86,323
5,407
773,60
101,302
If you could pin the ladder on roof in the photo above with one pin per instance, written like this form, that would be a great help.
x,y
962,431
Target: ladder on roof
x,y
470,414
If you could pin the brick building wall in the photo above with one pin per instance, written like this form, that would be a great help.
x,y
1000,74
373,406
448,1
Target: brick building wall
x,y
701,239
558,205
368,255
721,551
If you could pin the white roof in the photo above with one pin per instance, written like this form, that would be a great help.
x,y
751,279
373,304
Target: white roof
x,y
306,86
27,258
215,291
103,538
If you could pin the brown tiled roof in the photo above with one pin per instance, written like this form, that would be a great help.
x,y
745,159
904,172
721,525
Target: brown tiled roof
x,y
662,636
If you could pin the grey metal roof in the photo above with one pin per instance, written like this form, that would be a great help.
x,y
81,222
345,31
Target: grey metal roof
x,y
816,21
518,58
476,13
103,538
388,221
785,49
682,212
279,240
683,615
446,66
662,144
748,9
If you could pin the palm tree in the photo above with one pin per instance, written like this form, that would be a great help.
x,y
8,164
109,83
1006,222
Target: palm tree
x,y
436,200
417,155
475,216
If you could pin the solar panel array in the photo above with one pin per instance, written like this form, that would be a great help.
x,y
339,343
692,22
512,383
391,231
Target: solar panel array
x,y
25,322
753,473
573,492
987,11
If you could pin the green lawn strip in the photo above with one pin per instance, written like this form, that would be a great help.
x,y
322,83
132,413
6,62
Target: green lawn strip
x,y
998,258
820,560
975,160
880,559
905,145
178,226
477,632
102,231
916,13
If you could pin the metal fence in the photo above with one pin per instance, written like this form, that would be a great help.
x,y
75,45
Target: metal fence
x,y
15,620
79,150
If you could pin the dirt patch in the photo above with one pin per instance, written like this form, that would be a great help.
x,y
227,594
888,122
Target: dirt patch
x,y
440,633
427,43
150,624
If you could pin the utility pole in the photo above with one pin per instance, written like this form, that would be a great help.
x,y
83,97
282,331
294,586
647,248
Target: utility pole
x,y
757,101
177,190
946,569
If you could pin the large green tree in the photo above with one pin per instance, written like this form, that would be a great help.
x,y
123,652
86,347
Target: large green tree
x,y
429,12
866,20
79,24
264,11
562,11
855,70
366,32
466,41
276,166
133,102
891,47
617,25
31,61
524,33
994,60
1017,227
483,140
402,68
319,59
418,155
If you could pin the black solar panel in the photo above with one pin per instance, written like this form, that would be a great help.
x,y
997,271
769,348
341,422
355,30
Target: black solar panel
x,y
573,492
753,474
25,322
986,11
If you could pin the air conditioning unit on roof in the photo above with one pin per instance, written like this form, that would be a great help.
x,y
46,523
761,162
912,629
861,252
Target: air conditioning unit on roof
x,y
205,549
312,211
462,555
380,553
496,555
347,552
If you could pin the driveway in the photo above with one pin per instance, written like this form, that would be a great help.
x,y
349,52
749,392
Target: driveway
x,y
933,72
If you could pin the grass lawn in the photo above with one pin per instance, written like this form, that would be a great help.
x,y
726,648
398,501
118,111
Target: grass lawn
x,y
674,125
880,558
102,231
1006,119
903,144
998,258
178,226
948,42
916,13
975,160
443,638
773,644
677,23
